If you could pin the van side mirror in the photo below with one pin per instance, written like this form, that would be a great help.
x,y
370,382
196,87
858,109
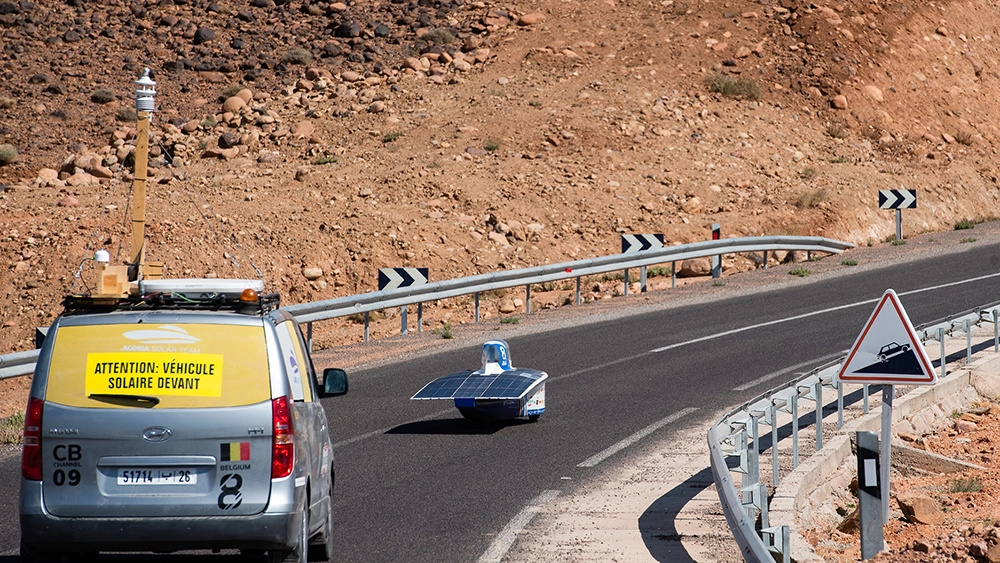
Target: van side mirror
x,y
334,382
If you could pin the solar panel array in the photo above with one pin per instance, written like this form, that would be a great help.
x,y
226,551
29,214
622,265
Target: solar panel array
x,y
471,385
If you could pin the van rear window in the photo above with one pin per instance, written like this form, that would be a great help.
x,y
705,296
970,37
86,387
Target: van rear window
x,y
162,366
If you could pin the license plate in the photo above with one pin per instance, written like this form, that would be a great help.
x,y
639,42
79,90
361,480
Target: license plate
x,y
153,476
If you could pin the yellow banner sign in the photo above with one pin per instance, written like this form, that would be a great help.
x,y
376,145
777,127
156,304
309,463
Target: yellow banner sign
x,y
154,373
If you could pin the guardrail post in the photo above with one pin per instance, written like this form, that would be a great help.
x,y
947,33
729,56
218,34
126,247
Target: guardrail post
x,y
840,403
941,340
771,417
777,539
420,318
577,290
366,326
864,391
765,259
402,314
968,341
795,430
996,331
673,273
527,299
642,279
477,306
309,336
626,282
819,416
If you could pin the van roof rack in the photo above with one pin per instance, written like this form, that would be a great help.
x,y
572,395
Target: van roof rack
x,y
241,296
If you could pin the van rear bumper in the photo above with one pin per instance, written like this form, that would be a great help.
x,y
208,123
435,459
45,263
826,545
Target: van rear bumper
x,y
43,532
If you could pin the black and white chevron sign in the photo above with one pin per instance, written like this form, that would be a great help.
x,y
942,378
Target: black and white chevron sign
x,y
393,278
635,243
897,199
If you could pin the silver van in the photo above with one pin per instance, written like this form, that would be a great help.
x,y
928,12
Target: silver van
x,y
184,417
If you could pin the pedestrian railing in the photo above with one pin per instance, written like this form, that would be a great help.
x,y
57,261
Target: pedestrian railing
x,y
737,437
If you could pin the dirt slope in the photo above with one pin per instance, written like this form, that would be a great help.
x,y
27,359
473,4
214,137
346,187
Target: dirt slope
x,y
469,137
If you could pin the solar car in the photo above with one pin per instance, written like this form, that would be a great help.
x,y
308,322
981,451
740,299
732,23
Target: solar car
x,y
184,416
495,391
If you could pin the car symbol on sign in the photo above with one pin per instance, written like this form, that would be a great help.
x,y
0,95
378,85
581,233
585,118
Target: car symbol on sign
x,y
890,350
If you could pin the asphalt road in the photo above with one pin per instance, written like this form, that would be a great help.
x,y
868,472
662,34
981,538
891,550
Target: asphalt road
x,y
416,482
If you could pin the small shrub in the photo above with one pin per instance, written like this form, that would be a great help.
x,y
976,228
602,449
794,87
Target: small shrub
x,y
8,154
801,272
441,36
964,224
445,331
391,136
127,115
965,485
718,283
7,103
734,87
208,122
297,56
325,160
434,164
838,160
964,137
509,321
869,242
613,276
899,242
811,199
102,96
12,429
546,286
807,173
230,91
848,262
657,271
535,104
837,130
492,145
968,239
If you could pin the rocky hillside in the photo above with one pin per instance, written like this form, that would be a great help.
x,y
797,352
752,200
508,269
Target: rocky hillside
x,y
312,142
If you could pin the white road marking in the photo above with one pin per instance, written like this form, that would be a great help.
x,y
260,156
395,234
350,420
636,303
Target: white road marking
x,y
505,539
789,369
595,459
384,430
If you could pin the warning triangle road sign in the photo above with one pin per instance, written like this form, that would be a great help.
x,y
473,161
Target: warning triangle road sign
x,y
888,351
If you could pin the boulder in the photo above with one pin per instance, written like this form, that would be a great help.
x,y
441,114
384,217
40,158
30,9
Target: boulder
x,y
921,509
695,267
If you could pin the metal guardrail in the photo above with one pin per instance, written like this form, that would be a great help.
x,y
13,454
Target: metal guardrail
x,y
737,434
23,363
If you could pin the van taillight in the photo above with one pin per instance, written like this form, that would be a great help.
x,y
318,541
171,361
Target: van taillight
x,y
282,439
31,457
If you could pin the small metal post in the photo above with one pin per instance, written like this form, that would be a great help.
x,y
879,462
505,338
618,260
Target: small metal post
x,y
840,404
642,279
626,282
996,331
899,224
673,273
968,341
420,318
402,311
765,259
309,335
527,299
366,326
577,290
477,306
795,430
869,495
717,259
819,416
865,393
888,391
774,444
941,340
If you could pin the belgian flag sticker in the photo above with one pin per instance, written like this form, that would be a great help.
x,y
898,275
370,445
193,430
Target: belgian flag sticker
x,y
235,451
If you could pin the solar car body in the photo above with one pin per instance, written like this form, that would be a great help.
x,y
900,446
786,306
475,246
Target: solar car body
x,y
495,391
178,421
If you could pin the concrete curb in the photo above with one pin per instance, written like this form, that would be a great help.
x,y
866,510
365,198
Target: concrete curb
x,y
917,409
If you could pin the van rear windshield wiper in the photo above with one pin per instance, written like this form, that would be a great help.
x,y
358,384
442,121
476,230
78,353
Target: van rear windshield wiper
x,y
126,400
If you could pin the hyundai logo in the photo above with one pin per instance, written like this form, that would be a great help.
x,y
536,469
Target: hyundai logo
x,y
156,434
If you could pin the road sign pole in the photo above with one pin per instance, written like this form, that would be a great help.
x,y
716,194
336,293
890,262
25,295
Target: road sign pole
x,y
899,224
888,391
402,329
